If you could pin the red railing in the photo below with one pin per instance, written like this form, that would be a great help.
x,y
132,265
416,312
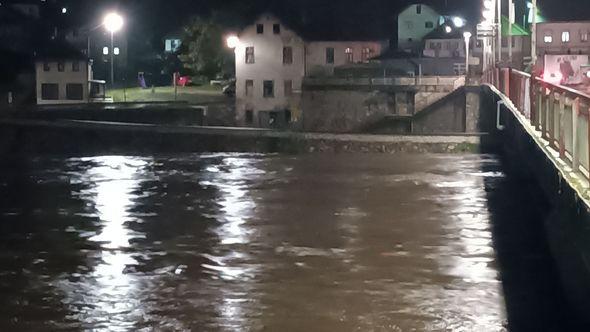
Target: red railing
x,y
560,115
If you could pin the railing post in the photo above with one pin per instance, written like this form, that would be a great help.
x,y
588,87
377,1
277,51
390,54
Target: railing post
x,y
507,82
561,126
533,102
575,154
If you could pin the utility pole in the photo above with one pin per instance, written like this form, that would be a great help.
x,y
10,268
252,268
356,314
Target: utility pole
x,y
534,34
499,46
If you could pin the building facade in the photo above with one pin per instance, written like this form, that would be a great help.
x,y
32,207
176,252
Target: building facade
x,y
62,81
413,24
563,38
271,63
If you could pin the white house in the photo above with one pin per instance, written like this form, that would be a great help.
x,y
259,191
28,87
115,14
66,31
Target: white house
x,y
63,76
413,24
271,61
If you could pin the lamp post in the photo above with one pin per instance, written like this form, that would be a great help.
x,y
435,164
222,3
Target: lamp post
x,y
113,22
467,37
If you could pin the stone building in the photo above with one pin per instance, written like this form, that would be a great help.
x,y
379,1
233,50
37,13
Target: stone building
x,y
413,24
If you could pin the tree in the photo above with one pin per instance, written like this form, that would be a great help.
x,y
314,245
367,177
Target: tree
x,y
203,50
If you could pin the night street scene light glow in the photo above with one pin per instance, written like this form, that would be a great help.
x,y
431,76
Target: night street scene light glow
x,y
294,165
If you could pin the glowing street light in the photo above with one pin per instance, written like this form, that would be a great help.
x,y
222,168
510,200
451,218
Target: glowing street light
x,y
448,29
113,22
467,37
232,41
458,22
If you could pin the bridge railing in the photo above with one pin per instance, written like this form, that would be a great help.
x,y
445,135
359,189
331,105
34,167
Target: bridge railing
x,y
560,115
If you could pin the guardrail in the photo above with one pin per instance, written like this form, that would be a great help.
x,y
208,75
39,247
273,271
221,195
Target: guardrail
x,y
559,114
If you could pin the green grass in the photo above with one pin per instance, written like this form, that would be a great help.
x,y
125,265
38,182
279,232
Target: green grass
x,y
191,94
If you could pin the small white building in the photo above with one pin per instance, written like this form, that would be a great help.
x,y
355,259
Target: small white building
x,y
62,76
558,38
271,63
413,24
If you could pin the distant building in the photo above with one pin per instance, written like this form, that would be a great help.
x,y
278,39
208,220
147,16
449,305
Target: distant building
x,y
271,62
64,76
413,24
560,38
515,34
172,42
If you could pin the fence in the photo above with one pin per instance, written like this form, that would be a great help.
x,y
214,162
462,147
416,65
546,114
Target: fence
x,y
559,114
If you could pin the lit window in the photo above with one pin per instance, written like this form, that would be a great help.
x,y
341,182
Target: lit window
x,y
268,89
105,50
366,54
250,54
548,39
349,55
116,51
565,36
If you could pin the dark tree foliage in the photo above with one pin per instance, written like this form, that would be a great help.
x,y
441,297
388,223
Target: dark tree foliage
x,y
203,51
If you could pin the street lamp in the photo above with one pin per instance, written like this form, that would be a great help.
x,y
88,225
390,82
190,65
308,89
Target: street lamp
x,y
113,22
232,41
467,36
458,22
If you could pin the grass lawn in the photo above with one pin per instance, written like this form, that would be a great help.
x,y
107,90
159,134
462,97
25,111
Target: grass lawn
x,y
192,94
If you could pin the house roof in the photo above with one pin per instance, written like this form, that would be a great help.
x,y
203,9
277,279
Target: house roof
x,y
517,30
58,50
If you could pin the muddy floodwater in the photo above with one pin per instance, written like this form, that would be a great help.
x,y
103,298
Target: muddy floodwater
x,y
242,242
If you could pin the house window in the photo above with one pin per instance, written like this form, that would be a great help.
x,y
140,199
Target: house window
x,y
105,50
61,66
46,66
548,38
268,89
288,88
249,87
329,55
250,54
418,9
565,36
276,29
584,36
49,91
249,117
366,54
287,55
74,91
349,55
75,66
259,29
429,25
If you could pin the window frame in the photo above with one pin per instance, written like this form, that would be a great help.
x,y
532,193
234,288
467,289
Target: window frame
x,y
249,57
249,92
259,28
75,66
61,66
46,66
69,86
349,55
565,36
330,55
287,55
276,29
268,88
44,94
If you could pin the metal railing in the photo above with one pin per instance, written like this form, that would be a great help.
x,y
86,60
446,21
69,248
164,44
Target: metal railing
x,y
560,115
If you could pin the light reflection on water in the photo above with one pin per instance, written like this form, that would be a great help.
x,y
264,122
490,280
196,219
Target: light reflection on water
x,y
249,242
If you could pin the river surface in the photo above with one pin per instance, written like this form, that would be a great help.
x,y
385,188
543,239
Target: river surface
x,y
242,242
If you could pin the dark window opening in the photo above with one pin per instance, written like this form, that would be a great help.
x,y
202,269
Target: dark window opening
x,y
250,54
330,55
49,91
75,66
259,29
46,66
249,117
61,66
287,55
74,91
268,89
429,25
418,9
276,29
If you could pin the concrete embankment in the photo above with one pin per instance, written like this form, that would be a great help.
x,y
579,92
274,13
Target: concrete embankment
x,y
90,137
567,224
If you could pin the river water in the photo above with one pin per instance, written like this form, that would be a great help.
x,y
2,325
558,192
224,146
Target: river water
x,y
242,242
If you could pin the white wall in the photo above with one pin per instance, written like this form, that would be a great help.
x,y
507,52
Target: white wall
x,y
316,54
268,53
62,78
557,46
412,26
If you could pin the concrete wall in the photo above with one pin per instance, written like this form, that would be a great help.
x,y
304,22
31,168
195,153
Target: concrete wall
x,y
316,64
62,79
268,53
412,26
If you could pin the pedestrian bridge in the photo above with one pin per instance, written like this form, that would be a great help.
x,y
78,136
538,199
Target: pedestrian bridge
x,y
544,130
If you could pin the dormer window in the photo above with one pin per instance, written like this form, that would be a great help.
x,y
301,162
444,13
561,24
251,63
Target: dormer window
x,y
259,29
276,29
